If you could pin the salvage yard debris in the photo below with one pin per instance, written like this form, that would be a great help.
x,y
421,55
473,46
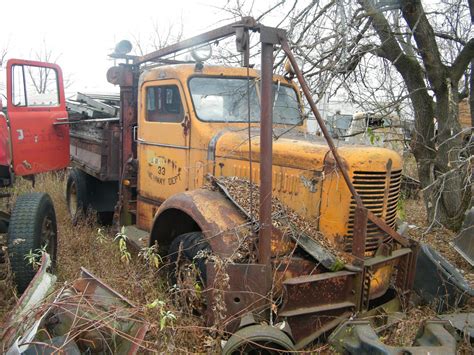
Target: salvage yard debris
x,y
85,317
438,238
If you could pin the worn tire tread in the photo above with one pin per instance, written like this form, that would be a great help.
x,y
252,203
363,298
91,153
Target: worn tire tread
x,y
26,223
191,244
80,179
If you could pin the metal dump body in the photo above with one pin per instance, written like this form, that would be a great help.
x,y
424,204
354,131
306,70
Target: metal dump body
x,y
95,148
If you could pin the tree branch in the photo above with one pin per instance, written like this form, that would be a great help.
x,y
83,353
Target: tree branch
x,y
450,38
462,61
424,35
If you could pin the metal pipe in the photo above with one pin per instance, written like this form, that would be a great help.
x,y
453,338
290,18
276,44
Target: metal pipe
x,y
266,118
327,136
219,33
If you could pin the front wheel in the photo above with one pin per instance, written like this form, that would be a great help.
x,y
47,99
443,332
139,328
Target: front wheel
x,y
32,228
187,256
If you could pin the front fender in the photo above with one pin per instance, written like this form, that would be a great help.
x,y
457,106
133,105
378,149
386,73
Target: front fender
x,y
208,211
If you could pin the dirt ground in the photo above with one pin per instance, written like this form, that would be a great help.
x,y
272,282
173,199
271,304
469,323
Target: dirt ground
x,y
143,283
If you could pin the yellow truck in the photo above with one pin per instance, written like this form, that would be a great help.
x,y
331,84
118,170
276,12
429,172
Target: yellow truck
x,y
183,124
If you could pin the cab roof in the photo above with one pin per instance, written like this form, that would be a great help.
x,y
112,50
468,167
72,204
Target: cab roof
x,y
185,71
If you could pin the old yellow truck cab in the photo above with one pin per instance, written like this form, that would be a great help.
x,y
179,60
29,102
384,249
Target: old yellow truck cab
x,y
194,122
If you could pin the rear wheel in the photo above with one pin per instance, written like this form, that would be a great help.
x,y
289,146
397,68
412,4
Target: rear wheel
x,y
76,195
32,228
187,255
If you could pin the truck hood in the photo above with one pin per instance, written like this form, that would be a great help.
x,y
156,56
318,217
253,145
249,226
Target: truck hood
x,y
300,151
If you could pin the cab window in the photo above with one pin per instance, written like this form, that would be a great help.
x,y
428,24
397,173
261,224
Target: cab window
x,y
34,86
163,104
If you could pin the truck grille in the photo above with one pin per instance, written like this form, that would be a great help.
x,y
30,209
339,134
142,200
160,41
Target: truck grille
x,y
380,197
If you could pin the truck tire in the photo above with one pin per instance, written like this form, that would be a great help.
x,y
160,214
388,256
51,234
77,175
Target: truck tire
x,y
77,195
188,272
32,226
186,247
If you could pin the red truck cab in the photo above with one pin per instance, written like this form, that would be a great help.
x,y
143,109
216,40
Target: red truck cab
x,y
33,138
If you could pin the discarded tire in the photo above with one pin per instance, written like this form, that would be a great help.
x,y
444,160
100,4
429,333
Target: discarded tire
x,y
32,227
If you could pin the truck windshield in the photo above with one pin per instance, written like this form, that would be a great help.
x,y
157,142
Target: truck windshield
x,y
225,100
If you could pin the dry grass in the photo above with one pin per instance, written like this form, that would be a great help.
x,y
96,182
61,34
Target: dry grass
x,y
81,246
142,284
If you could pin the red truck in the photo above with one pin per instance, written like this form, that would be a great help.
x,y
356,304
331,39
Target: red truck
x,y
31,143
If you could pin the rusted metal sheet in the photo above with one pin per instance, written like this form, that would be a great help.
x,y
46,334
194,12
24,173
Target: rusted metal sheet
x,y
307,327
246,291
96,155
358,337
288,267
315,304
36,291
222,224
317,292
317,251
360,233
87,316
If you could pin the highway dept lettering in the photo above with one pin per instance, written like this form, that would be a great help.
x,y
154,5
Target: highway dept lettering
x,y
164,171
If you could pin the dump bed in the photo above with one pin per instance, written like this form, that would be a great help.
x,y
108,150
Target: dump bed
x,y
95,149
95,135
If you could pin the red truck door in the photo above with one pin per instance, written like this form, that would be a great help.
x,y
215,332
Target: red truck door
x,y
35,102
4,140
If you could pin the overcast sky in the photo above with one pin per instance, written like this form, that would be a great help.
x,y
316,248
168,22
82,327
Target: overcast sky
x,y
82,33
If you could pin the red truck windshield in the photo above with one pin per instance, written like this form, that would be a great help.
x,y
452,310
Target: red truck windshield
x,y
218,99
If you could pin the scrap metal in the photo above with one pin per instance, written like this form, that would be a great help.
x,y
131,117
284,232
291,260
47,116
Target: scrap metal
x,y
85,317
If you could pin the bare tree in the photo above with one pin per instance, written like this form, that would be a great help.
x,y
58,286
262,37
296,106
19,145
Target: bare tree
x,y
161,36
3,56
400,55
39,78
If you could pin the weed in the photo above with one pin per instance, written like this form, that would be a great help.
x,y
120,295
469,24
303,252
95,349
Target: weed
x,y
101,237
150,256
401,210
34,257
125,255
166,316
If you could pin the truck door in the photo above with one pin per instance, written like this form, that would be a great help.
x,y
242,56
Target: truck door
x,y
35,102
163,146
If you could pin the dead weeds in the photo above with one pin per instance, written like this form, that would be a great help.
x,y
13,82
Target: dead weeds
x,y
82,246
140,282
